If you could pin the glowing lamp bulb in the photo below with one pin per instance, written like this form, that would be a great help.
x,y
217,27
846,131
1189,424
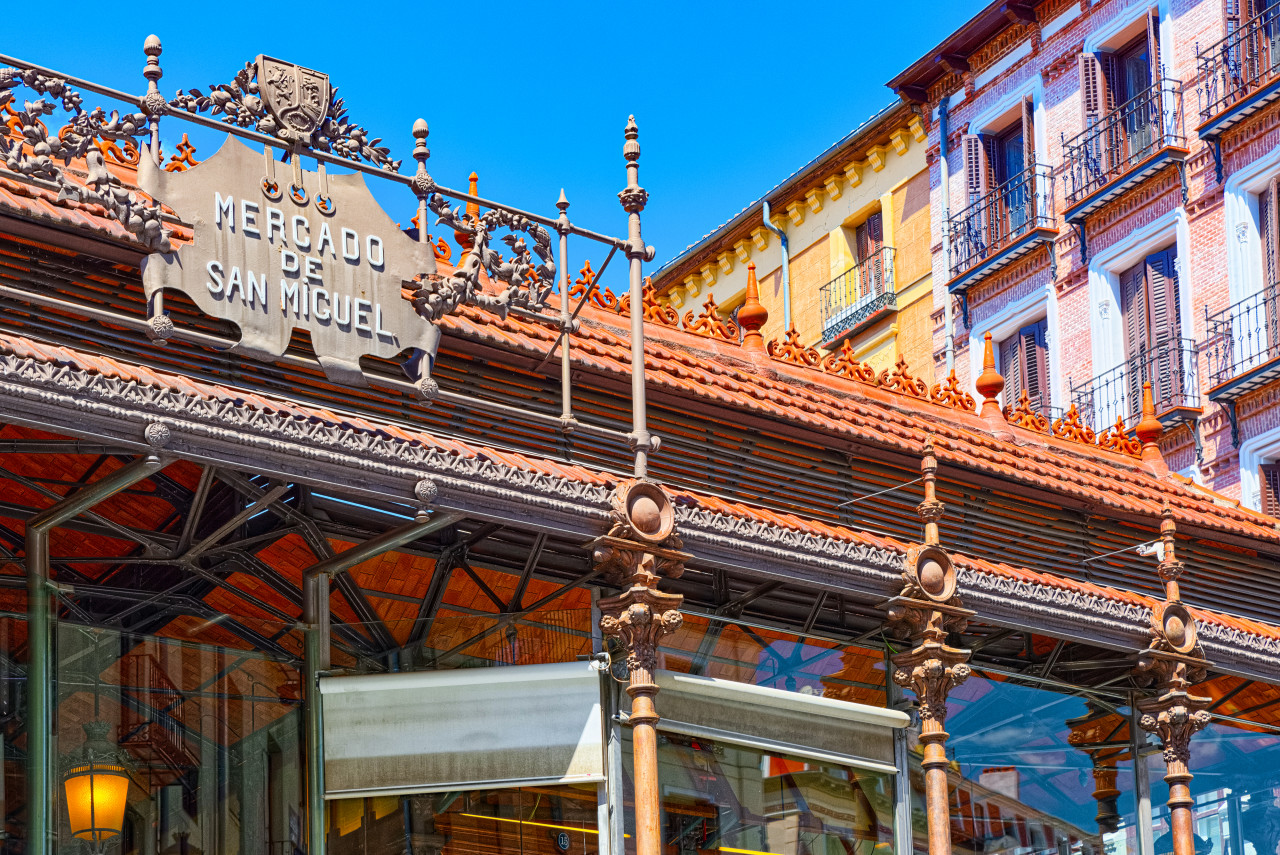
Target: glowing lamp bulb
x,y
96,784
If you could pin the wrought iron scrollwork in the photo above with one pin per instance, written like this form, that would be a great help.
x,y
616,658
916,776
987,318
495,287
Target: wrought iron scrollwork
x,y
33,151
523,280
241,103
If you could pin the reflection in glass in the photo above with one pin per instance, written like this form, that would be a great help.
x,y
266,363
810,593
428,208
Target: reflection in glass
x,y
1035,771
1237,774
721,796
206,739
555,820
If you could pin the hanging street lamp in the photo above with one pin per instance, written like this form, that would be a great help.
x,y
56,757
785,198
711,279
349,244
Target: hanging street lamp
x,y
96,783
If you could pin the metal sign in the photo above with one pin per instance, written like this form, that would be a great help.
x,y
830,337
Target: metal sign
x,y
320,255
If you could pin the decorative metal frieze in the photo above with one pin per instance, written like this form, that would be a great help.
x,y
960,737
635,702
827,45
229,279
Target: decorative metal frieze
x,y
295,105
791,350
710,323
843,364
43,155
900,379
950,394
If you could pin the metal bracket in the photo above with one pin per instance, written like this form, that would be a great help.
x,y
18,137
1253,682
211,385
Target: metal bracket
x,y
1182,176
1078,225
1215,143
964,307
1053,260
1195,435
1230,407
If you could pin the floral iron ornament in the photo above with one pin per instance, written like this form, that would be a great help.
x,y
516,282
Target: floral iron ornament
x,y
295,105
37,153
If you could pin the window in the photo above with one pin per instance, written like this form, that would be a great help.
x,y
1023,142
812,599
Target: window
x,y
869,246
1110,78
1024,361
1149,303
995,160
1269,479
1269,233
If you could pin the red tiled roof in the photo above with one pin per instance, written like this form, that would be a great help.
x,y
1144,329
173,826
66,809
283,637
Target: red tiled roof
x,y
27,349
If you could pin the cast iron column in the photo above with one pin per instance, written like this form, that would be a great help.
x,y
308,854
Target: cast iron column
x,y
640,550
1173,662
633,198
926,611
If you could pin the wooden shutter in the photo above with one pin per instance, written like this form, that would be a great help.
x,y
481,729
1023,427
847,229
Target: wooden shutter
x,y
1269,234
1011,368
1269,479
1153,46
1034,340
1028,134
1231,16
1133,305
977,167
870,240
1093,90
1162,289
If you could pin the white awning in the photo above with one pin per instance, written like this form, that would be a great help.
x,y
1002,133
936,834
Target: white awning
x,y
467,729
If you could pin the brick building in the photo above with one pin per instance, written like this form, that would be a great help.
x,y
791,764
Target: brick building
x,y
1104,206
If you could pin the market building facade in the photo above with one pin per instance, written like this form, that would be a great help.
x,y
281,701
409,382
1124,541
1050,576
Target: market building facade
x,y
320,534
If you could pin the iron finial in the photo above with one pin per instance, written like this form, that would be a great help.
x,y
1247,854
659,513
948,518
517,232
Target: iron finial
x,y
153,103
422,183
563,202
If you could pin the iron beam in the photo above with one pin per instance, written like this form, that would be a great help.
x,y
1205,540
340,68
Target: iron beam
x,y
40,669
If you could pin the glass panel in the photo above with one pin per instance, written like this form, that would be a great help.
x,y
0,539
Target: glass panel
x,y
201,741
779,660
721,796
1034,771
1237,774
543,820
13,738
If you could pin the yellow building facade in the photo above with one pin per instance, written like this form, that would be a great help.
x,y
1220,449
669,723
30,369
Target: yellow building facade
x,y
857,260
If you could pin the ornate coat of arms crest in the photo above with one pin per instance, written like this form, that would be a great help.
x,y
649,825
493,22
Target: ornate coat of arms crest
x,y
298,97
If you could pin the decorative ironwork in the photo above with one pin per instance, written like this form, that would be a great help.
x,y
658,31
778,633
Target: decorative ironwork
x,y
1116,438
437,295
949,394
586,283
710,323
40,155
901,380
654,309
1109,148
1025,416
1243,337
859,294
791,350
297,108
1071,427
997,221
1241,64
184,159
844,364
1116,395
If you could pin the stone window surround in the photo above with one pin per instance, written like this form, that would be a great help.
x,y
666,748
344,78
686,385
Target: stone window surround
x,y
1106,324
1240,218
1254,451
1041,303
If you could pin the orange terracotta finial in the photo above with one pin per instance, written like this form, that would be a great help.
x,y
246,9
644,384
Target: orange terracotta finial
x,y
1149,431
989,385
467,239
752,316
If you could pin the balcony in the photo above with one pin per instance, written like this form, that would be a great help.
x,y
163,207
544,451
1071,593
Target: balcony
x,y
1170,367
1242,345
859,296
1239,75
1001,226
1141,136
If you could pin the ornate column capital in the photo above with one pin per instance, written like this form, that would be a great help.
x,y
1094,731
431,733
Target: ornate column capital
x,y
931,670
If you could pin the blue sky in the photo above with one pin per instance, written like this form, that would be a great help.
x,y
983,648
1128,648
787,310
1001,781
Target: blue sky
x,y
730,97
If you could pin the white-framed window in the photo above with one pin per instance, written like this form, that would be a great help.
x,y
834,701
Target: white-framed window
x,y
1030,323
1260,472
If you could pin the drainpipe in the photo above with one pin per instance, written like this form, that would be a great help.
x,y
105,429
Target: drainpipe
x,y
945,176
315,617
40,668
786,268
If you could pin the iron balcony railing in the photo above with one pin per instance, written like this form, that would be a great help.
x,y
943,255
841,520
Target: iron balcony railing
x,y
1113,145
994,222
1242,337
858,294
1169,366
1239,65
